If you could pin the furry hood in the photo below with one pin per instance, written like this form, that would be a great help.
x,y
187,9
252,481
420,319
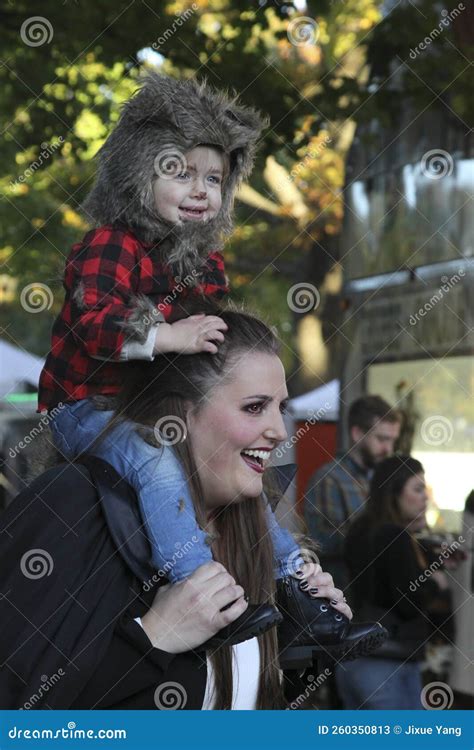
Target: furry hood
x,y
162,121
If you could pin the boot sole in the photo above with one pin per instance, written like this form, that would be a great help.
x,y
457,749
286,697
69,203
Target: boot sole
x,y
244,635
298,657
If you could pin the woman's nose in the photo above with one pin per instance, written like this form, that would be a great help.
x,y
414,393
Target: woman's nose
x,y
276,430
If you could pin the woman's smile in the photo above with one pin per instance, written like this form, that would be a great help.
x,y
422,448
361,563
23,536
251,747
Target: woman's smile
x,y
256,458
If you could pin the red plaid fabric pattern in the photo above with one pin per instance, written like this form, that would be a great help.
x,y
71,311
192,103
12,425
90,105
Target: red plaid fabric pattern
x,y
110,267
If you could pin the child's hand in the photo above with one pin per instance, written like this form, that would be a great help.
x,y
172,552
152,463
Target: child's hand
x,y
190,335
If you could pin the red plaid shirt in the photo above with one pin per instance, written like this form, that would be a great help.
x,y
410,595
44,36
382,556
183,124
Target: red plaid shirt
x,y
112,266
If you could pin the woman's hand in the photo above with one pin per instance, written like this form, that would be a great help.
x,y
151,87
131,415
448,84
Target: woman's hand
x,y
321,585
185,615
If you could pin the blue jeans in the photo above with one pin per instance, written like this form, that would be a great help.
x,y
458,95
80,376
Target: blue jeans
x,y
179,545
371,683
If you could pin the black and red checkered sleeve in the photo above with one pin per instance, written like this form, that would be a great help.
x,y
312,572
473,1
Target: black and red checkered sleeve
x,y
215,282
102,276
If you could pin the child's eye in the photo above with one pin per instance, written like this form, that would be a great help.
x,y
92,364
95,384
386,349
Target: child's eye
x,y
217,180
182,176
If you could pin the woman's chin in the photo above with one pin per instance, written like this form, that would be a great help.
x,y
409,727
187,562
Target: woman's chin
x,y
253,489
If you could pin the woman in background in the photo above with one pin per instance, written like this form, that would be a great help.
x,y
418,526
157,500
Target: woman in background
x,y
388,567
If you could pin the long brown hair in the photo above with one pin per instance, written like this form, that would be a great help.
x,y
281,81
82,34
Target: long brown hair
x,y
389,478
165,388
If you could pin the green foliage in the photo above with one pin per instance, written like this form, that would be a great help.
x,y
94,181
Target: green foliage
x,y
59,99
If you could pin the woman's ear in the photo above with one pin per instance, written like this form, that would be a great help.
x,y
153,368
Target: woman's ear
x,y
189,411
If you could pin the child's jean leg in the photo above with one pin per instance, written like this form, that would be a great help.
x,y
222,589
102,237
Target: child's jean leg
x,y
286,552
178,544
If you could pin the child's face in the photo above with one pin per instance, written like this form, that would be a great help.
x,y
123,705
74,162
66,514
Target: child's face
x,y
196,193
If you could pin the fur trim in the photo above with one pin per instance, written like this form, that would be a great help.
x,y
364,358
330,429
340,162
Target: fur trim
x,y
164,118
78,296
43,455
143,317
104,403
136,327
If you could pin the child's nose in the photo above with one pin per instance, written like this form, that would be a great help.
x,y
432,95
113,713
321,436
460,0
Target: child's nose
x,y
199,187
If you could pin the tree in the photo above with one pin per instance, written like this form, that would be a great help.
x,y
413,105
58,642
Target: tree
x,y
61,85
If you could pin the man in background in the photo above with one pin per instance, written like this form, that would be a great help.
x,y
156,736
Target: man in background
x,y
338,490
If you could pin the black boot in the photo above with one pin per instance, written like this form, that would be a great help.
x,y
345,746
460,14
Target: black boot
x,y
312,627
257,619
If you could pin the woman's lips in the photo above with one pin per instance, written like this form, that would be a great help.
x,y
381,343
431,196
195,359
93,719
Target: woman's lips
x,y
253,464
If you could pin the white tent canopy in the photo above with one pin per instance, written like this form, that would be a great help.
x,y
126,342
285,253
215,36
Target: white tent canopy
x,y
16,368
322,403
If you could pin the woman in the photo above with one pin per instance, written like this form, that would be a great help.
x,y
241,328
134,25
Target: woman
x,y
387,569
81,629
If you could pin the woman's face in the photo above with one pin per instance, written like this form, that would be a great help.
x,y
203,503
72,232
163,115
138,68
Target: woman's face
x,y
413,501
244,414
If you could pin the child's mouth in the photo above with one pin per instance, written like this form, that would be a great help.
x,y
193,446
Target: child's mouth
x,y
193,213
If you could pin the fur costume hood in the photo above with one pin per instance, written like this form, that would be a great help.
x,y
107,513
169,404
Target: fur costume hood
x,y
162,121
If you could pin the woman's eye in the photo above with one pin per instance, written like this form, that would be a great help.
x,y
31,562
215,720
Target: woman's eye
x,y
255,408
284,408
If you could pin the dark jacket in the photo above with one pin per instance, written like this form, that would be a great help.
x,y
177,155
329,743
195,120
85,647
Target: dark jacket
x,y
74,558
387,585
72,555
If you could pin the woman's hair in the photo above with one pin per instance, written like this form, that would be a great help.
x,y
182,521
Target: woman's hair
x,y
160,392
389,478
